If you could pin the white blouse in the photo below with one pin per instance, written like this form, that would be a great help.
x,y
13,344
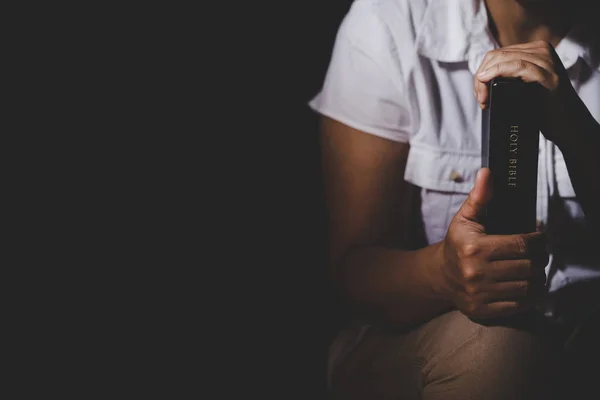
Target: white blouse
x,y
403,70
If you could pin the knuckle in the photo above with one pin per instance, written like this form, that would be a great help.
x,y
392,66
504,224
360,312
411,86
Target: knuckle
x,y
546,65
524,287
490,55
469,250
503,53
471,308
471,274
544,44
472,291
520,64
521,244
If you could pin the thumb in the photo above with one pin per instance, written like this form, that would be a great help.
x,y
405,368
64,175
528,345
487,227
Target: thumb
x,y
474,206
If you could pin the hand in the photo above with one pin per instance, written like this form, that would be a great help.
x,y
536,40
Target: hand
x,y
489,276
535,62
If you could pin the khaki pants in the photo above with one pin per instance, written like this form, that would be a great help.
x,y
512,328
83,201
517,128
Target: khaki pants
x,y
453,358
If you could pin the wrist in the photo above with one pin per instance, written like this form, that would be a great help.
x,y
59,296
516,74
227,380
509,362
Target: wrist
x,y
582,130
435,273
573,125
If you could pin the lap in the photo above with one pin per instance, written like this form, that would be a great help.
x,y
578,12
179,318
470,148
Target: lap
x,y
451,357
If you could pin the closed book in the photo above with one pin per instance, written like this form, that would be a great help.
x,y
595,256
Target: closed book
x,y
510,143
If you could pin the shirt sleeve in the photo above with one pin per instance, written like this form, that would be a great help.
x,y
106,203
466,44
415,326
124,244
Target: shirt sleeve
x,y
363,84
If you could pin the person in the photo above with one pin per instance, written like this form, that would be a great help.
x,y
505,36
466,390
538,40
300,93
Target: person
x,y
458,314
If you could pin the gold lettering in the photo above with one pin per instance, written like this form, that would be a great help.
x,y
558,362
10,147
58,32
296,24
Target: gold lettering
x,y
513,147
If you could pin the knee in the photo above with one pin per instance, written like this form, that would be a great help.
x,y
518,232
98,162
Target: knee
x,y
511,360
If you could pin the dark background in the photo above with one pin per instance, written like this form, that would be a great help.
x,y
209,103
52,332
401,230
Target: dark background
x,y
205,211
314,315
241,305
304,316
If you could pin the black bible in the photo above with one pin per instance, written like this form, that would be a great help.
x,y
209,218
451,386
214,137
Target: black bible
x,y
510,143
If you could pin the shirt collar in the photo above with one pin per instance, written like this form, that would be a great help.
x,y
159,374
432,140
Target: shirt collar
x,y
580,42
457,31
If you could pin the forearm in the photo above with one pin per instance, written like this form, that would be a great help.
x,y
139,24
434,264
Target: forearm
x,y
582,156
393,286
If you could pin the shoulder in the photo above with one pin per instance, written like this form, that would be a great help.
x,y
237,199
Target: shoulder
x,y
373,24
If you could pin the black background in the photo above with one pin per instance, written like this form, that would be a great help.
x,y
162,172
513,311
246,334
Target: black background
x,y
303,318
188,198
257,308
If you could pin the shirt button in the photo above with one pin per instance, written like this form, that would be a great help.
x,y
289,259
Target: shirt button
x,y
456,177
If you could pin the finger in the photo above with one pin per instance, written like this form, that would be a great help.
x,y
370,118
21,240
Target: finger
x,y
528,53
511,283
499,309
505,291
481,91
510,270
536,44
493,57
506,55
536,48
514,247
512,291
525,70
474,206
480,87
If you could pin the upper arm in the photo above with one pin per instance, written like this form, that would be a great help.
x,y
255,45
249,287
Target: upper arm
x,y
366,126
367,197
364,86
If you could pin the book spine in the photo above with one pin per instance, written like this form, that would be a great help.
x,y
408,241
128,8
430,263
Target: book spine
x,y
510,145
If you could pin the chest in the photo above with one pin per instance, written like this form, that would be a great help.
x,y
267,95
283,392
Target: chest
x,y
445,152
